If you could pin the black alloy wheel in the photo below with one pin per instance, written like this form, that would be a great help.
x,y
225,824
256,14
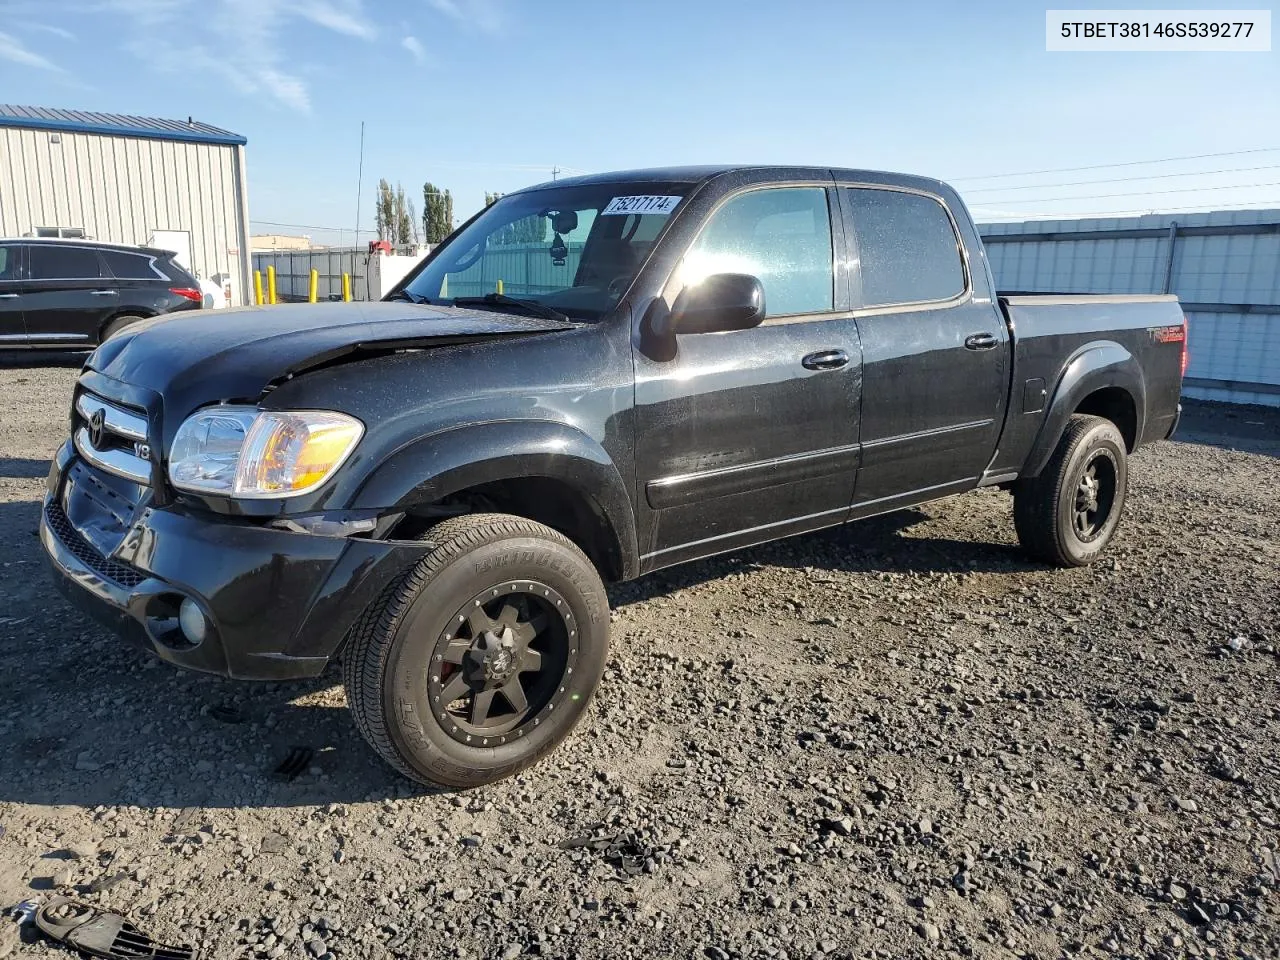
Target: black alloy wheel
x,y
499,666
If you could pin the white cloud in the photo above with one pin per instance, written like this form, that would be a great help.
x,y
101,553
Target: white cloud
x,y
340,17
248,40
59,32
482,15
414,46
13,50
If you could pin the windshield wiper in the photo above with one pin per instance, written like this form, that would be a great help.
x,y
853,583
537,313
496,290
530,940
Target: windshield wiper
x,y
531,307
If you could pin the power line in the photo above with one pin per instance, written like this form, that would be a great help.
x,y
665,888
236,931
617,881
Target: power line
x,y
1127,163
1135,193
1153,176
309,226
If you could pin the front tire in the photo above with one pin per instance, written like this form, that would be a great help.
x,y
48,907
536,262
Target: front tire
x,y
481,659
1069,513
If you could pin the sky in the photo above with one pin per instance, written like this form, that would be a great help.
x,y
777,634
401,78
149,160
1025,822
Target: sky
x,y
492,95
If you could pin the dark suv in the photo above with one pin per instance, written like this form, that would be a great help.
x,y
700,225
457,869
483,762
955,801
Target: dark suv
x,y
74,293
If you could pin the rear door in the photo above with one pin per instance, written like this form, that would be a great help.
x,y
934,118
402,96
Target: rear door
x,y
934,357
68,296
750,435
12,329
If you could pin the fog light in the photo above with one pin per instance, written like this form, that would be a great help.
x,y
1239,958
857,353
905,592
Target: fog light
x,y
191,619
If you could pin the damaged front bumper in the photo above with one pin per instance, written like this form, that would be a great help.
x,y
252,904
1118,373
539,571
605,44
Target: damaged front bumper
x,y
276,604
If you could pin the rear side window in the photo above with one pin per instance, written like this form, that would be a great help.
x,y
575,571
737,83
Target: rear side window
x,y
129,266
56,262
9,263
907,248
781,236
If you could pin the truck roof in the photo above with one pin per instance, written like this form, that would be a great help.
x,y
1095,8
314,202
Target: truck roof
x,y
694,174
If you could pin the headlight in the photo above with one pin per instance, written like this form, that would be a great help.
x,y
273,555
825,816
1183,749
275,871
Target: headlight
x,y
246,452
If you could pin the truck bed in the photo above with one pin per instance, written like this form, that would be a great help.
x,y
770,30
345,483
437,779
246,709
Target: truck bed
x,y
1054,334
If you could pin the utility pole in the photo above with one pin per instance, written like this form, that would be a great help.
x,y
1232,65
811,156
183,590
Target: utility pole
x,y
359,184
555,173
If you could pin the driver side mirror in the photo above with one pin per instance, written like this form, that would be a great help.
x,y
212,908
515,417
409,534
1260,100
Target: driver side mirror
x,y
722,301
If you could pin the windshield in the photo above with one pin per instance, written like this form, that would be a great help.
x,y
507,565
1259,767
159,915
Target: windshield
x,y
571,249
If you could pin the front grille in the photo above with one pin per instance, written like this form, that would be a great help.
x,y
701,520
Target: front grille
x,y
119,445
83,550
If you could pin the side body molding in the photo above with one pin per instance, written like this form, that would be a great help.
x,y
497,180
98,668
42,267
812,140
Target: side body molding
x,y
1095,366
448,461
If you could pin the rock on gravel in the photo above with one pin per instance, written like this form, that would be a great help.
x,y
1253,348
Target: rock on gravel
x,y
897,739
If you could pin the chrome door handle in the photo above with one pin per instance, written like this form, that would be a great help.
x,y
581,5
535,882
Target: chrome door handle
x,y
8,296
825,360
980,341
104,293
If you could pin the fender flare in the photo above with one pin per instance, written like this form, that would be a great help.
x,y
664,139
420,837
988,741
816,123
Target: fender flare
x,y
445,462
1095,366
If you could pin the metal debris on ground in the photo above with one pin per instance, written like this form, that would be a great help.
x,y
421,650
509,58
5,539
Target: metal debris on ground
x,y
624,850
298,759
102,934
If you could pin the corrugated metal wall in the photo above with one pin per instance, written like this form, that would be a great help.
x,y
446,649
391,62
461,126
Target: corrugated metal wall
x,y
1224,266
121,189
293,272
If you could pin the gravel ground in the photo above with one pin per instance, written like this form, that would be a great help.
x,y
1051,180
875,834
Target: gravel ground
x,y
896,739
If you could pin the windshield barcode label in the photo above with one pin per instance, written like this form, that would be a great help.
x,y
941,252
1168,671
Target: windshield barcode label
x,y
623,205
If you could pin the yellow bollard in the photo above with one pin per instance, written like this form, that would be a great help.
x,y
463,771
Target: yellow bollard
x,y
257,287
315,286
499,285
271,285
346,288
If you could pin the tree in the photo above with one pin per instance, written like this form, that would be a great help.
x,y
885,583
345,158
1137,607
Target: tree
x,y
384,212
394,215
412,217
437,213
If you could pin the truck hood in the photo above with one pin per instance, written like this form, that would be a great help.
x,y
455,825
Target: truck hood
x,y
200,356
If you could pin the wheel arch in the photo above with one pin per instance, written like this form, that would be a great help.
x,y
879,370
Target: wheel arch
x,y
544,471
1102,378
141,314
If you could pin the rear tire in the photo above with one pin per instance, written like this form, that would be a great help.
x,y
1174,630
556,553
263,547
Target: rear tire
x,y
116,325
1068,514
481,659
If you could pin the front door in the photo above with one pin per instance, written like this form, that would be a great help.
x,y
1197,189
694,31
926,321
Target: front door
x,y
934,358
12,329
68,295
750,435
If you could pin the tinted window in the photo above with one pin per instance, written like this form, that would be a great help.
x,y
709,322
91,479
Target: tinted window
x,y
9,263
56,262
128,266
907,248
780,236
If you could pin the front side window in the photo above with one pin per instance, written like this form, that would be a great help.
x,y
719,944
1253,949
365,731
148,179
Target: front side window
x,y
55,262
907,248
782,237
574,249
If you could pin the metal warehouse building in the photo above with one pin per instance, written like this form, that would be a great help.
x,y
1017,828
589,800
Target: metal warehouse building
x,y
177,185
1223,265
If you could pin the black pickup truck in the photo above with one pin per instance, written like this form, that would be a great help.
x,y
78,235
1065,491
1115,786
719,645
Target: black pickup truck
x,y
589,380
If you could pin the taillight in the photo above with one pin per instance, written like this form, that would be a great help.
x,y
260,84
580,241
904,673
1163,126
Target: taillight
x,y
1186,356
188,293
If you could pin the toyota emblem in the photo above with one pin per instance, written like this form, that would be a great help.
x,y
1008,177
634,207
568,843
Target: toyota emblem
x,y
97,427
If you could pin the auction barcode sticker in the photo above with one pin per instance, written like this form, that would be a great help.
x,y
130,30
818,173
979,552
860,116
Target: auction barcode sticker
x,y
1116,31
621,205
